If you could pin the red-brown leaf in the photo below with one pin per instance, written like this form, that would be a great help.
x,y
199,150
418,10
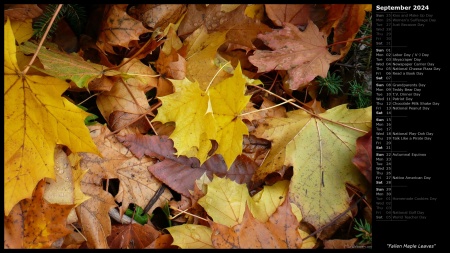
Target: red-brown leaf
x,y
363,156
280,231
180,173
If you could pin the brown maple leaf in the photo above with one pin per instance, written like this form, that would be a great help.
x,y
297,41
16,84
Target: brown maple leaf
x,y
363,156
180,173
119,29
280,231
132,236
35,223
303,54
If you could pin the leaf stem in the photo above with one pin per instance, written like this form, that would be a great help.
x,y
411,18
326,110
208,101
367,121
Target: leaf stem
x,y
212,80
43,39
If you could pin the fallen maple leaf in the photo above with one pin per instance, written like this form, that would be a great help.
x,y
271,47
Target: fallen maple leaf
x,y
190,236
35,223
68,66
242,29
225,201
320,152
21,12
158,15
296,14
36,119
188,108
363,156
201,50
303,54
119,29
180,172
128,92
280,231
201,116
22,30
132,236
346,19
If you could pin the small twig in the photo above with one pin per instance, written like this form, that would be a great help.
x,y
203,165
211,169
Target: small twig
x,y
114,213
78,231
43,39
270,107
93,95
155,197
181,211
312,113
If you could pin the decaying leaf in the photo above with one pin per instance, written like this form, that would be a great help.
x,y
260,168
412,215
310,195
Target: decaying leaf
x,y
119,29
180,172
158,15
132,236
303,54
280,231
296,14
35,223
21,12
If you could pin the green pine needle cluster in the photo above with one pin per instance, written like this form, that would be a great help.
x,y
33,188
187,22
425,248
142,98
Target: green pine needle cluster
x,y
365,231
361,96
332,83
74,14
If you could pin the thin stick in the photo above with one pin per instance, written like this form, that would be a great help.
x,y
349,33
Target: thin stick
x,y
270,107
43,39
174,208
93,95
311,113
78,231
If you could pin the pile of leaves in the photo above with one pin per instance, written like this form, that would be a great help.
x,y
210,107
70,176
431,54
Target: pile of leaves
x,y
187,126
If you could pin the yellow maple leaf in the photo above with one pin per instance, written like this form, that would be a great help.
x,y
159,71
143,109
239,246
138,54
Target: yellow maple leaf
x,y
36,119
191,236
228,100
201,50
320,149
225,201
201,116
188,107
